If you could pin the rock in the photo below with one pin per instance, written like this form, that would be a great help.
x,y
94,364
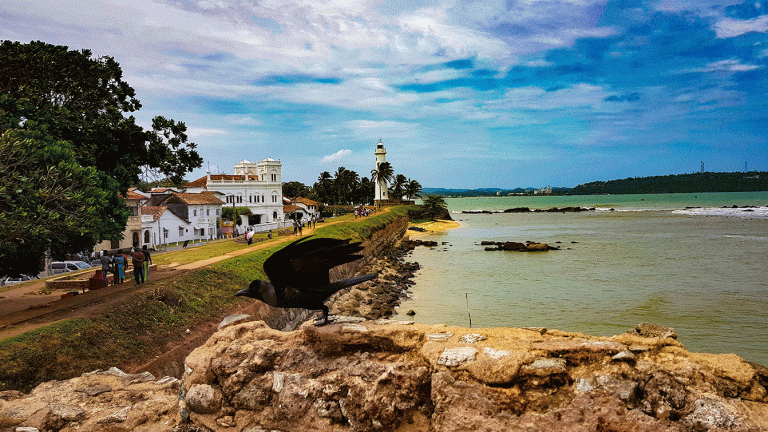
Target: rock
x,y
234,319
653,330
203,399
388,375
439,337
457,356
472,338
411,312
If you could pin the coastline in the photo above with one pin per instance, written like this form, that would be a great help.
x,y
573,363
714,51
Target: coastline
x,y
432,227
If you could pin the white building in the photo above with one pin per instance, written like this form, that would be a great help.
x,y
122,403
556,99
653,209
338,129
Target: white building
x,y
257,186
175,217
381,192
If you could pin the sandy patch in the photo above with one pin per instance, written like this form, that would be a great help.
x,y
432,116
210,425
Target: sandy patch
x,y
433,227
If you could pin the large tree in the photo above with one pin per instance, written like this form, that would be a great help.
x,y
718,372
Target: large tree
x,y
382,173
63,119
81,99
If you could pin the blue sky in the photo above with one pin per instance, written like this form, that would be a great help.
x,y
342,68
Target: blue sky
x,y
463,94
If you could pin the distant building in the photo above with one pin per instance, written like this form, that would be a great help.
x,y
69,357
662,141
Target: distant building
x,y
543,191
257,186
174,217
134,199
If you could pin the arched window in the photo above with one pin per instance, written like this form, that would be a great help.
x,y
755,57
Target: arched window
x,y
274,216
135,238
146,237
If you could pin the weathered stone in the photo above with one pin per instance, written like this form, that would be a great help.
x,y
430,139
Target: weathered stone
x,y
545,367
234,319
203,399
625,355
439,337
248,377
457,356
654,330
473,338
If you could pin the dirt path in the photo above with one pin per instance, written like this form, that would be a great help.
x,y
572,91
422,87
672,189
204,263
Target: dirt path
x,y
25,308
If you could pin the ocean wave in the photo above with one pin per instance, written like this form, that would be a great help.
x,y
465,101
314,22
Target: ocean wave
x,y
740,212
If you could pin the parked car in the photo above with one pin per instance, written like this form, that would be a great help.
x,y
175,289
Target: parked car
x,y
68,266
15,280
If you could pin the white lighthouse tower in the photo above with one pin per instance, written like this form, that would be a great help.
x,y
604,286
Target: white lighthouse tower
x,y
381,193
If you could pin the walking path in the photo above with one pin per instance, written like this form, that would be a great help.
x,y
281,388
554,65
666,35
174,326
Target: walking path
x,y
27,306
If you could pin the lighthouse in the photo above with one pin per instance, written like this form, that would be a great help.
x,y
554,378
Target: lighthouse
x,y
381,193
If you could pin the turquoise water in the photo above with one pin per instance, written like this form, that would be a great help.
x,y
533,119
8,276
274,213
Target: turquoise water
x,y
701,271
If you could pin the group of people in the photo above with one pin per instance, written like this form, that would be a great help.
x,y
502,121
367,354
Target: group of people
x,y
118,264
298,225
362,212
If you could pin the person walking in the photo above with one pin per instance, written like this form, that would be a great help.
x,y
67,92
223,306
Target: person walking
x,y
147,262
106,264
119,269
138,267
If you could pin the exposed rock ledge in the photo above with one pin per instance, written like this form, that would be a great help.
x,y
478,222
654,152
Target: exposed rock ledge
x,y
397,376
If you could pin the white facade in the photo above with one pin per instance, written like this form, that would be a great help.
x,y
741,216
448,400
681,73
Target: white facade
x,y
381,192
257,186
177,217
167,228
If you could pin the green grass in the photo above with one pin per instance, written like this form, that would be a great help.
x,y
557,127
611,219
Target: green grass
x,y
143,324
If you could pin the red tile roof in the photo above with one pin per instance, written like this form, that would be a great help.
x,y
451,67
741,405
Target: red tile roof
x,y
199,198
203,181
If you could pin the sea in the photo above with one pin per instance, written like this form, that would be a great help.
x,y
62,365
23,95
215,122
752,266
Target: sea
x,y
692,262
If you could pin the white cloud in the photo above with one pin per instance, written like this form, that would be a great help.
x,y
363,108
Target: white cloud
x,y
730,65
729,27
339,155
200,132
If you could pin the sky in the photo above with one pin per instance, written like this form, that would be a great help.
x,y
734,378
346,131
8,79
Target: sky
x,y
463,94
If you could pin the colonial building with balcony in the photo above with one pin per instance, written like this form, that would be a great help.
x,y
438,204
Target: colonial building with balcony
x,y
134,199
257,186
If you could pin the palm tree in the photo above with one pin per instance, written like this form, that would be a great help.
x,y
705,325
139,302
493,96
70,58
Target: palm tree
x,y
339,180
324,181
413,189
382,173
398,185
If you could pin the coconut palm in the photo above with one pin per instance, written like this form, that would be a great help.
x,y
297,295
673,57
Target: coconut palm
x,y
413,189
324,183
382,173
398,185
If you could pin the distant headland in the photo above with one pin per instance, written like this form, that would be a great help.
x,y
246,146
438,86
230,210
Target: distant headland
x,y
752,181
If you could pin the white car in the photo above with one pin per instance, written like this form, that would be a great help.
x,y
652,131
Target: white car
x,y
15,280
68,266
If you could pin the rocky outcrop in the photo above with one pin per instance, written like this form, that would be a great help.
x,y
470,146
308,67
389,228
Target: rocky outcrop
x,y
357,375
98,401
528,246
389,375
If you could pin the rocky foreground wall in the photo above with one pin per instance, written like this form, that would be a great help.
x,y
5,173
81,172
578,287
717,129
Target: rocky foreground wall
x,y
399,376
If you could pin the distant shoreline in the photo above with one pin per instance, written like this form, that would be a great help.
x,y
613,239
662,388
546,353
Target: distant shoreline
x,y
433,227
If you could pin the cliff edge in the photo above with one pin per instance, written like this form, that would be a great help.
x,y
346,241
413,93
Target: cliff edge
x,y
384,375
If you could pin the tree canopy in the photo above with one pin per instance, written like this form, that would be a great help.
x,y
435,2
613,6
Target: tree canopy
x,y
69,151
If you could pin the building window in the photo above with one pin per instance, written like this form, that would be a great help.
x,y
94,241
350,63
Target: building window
x,y
207,212
202,232
239,199
274,215
194,212
165,233
274,177
134,211
181,231
218,212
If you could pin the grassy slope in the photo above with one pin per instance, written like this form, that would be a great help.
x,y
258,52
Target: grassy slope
x,y
144,323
